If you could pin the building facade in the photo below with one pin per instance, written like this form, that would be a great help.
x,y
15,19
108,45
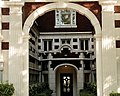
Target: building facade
x,y
64,43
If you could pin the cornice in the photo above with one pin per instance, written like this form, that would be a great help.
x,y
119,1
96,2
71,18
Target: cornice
x,y
15,3
107,2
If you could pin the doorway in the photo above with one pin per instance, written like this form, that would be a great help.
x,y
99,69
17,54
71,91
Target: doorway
x,y
66,84
66,80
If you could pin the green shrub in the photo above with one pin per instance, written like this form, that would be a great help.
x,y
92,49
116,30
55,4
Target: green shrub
x,y
86,93
90,89
6,89
114,94
39,89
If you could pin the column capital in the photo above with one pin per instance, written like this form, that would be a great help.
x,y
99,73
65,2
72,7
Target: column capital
x,y
26,37
15,7
97,36
107,5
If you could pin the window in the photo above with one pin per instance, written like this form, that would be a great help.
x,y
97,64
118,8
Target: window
x,y
39,40
117,23
92,46
65,18
75,46
5,11
84,44
74,39
63,41
56,46
68,41
47,45
39,47
56,40
5,25
5,45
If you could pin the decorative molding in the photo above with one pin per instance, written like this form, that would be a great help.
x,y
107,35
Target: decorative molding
x,y
107,2
26,37
98,36
15,7
65,18
15,3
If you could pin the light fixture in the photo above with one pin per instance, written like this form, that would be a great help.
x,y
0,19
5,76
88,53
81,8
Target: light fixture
x,y
65,65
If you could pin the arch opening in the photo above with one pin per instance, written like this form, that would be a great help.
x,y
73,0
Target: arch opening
x,y
50,7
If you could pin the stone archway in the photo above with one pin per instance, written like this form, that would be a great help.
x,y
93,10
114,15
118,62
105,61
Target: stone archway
x,y
80,9
44,9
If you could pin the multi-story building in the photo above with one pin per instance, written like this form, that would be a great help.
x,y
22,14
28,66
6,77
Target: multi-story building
x,y
63,42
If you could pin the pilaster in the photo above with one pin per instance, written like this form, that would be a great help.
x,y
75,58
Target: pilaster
x,y
99,71
1,37
1,55
109,66
80,74
51,75
18,52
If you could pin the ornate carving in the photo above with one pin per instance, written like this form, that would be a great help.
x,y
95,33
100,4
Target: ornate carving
x,y
65,18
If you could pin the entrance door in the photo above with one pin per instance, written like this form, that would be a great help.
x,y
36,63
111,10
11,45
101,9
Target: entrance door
x,y
66,82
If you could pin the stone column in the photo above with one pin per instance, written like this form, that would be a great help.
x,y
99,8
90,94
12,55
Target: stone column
x,y
1,59
92,70
80,75
18,69
1,55
92,73
25,66
51,75
109,65
99,65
